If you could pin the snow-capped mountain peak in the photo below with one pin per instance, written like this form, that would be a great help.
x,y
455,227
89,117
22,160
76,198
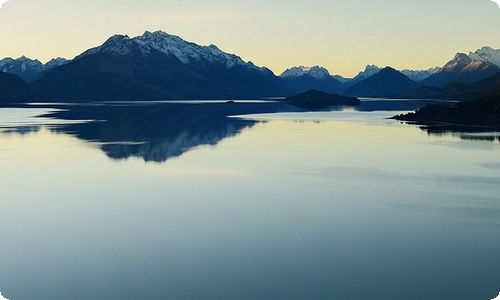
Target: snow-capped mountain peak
x,y
315,71
487,54
467,64
186,52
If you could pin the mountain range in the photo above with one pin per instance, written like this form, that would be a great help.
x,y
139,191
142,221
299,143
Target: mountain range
x,y
476,66
306,78
158,66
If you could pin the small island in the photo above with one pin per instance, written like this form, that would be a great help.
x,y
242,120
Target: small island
x,y
484,112
318,100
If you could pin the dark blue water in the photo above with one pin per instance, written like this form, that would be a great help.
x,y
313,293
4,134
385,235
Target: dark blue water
x,y
177,201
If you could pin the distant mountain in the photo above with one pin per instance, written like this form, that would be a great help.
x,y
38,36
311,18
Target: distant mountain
x,y
13,89
457,90
462,69
486,54
155,66
341,79
419,75
315,72
387,82
301,79
369,71
28,69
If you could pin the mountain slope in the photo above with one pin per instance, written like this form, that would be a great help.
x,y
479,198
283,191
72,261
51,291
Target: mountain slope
x,y
387,82
13,89
462,69
156,66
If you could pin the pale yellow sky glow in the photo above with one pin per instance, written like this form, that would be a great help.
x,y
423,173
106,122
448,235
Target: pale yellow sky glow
x,y
343,36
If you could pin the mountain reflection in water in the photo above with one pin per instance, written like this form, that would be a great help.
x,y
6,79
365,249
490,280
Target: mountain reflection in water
x,y
160,131
466,133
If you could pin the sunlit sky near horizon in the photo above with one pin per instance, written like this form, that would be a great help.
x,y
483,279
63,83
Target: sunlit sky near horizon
x,y
341,35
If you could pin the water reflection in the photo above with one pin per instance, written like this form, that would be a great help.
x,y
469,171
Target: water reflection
x,y
175,145
22,130
465,133
160,131
287,210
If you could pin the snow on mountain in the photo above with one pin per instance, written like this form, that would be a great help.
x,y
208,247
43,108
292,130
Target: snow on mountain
x,y
302,79
315,71
488,54
462,68
21,64
464,63
419,75
28,69
460,61
186,52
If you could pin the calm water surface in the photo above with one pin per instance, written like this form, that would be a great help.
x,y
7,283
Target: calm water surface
x,y
178,201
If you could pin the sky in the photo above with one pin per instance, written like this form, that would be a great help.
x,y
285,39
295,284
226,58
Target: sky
x,y
341,35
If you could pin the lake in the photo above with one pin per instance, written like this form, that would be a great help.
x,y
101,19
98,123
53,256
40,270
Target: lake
x,y
246,200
